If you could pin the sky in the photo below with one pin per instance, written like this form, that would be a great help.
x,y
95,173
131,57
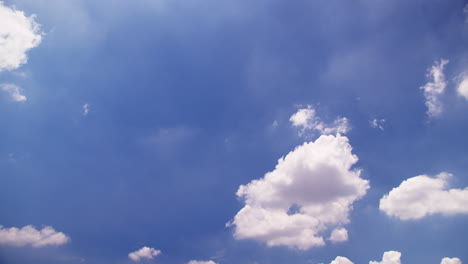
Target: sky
x,y
228,132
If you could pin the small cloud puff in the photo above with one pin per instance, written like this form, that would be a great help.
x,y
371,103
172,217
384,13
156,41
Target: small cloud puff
x,y
307,120
144,253
389,257
339,235
85,109
422,195
30,236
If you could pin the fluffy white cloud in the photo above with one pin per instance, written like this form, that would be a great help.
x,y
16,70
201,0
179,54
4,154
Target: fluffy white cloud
x,y
451,261
341,260
30,236
422,195
311,190
18,34
389,257
377,123
306,119
339,235
435,88
201,262
463,88
14,91
144,253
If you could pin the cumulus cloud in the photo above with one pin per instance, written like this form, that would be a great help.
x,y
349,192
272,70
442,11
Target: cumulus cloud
x,y
377,123
389,257
463,88
201,262
14,91
339,235
144,253
310,190
341,260
435,88
451,261
306,119
422,195
18,34
30,236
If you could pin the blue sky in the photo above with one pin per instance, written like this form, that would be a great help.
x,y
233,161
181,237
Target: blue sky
x,y
131,125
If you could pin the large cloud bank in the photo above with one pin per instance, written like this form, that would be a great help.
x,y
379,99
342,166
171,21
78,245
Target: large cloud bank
x,y
311,190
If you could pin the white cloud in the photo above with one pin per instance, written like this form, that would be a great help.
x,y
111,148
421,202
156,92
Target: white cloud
x,y
339,235
377,123
144,253
341,260
85,109
451,261
30,236
422,195
18,34
463,88
201,262
435,88
310,190
14,91
307,120
389,257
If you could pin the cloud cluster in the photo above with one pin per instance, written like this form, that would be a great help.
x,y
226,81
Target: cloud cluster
x,y
377,123
422,195
435,88
201,262
18,34
30,236
14,91
306,119
144,253
392,257
311,190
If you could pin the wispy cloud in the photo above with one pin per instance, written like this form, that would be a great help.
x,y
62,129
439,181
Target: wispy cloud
x,y
14,91
306,120
435,88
